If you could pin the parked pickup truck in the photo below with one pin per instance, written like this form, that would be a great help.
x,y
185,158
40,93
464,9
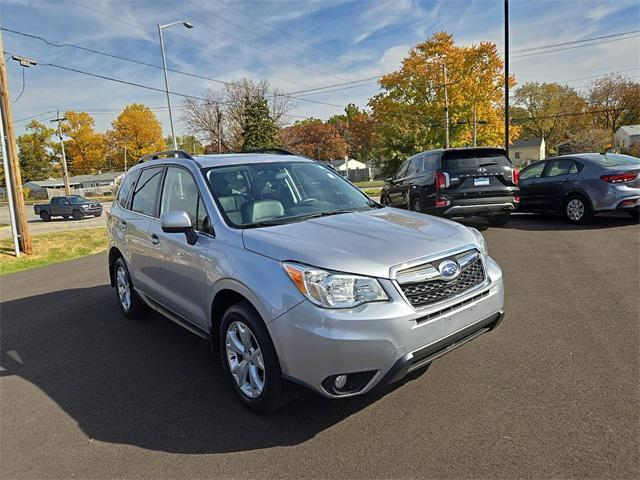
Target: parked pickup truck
x,y
72,206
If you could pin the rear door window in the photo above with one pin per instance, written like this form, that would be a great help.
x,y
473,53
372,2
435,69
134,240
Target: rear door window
x,y
415,166
473,159
145,195
125,188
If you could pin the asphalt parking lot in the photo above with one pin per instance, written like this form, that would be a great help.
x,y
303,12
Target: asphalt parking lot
x,y
553,393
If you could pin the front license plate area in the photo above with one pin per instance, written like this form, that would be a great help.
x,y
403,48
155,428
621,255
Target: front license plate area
x,y
481,181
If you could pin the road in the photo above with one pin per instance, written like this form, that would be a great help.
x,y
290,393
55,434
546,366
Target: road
x,y
57,224
553,393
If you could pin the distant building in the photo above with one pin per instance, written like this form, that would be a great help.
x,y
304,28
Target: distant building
x,y
523,152
358,171
626,136
80,184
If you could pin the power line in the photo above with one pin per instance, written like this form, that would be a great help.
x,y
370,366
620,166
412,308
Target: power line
x,y
574,47
552,45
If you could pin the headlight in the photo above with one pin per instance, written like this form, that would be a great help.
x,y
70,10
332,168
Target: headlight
x,y
333,289
481,241
85,206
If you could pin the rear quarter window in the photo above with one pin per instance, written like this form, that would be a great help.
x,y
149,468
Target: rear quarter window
x,y
471,160
125,188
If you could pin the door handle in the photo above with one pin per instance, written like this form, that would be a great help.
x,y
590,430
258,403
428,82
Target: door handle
x,y
123,225
567,180
155,240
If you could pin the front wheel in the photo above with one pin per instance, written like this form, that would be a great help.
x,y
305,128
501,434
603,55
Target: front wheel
x,y
498,220
250,361
384,200
576,210
77,215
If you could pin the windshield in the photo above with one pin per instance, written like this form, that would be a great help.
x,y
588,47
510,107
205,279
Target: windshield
x,y
614,160
262,194
77,199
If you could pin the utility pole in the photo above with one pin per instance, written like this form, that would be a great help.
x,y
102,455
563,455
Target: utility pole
x,y
12,170
7,182
65,172
125,157
446,108
475,125
506,76
219,122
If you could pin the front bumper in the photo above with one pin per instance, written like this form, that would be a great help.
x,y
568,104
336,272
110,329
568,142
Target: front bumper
x,y
387,338
92,211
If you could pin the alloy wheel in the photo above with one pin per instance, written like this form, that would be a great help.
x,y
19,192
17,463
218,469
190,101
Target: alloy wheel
x,y
575,209
124,289
245,359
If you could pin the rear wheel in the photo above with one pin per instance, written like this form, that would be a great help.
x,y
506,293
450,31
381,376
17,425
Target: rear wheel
x,y
250,360
45,216
77,215
498,220
576,210
416,204
130,303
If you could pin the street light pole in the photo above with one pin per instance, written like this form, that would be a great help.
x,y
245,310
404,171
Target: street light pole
x,y
166,78
446,107
506,76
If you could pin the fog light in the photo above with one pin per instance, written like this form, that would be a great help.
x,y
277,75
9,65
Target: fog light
x,y
340,382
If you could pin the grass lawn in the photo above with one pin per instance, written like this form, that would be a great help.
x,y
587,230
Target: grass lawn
x,y
51,248
373,183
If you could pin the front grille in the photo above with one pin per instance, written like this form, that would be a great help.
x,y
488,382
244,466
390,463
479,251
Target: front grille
x,y
424,293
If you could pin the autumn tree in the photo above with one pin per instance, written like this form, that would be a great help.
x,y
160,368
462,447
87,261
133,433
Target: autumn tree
x,y
356,127
549,110
315,139
139,130
614,102
588,140
34,151
221,113
409,112
259,129
85,148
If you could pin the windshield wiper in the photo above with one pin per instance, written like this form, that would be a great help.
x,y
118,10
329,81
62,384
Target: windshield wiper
x,y
284,221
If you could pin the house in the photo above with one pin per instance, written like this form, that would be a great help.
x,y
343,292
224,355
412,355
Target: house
x,y
80,184
358,171
523,152
626,136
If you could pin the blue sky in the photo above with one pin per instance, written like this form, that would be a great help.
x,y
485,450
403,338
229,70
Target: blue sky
x,y
294,44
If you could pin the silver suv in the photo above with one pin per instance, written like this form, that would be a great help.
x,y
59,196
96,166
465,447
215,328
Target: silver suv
x,y
294,275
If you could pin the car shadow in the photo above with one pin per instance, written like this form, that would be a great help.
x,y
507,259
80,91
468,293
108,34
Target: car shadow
x,y
147,383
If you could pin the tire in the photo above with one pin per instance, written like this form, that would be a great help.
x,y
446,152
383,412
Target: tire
x,y
98,215
66,217
244,340
576,210
415,205
45,216
635,214
498,220
77,215
131,305
384,200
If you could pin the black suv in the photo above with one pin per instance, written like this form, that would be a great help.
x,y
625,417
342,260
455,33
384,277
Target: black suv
x,y
456,182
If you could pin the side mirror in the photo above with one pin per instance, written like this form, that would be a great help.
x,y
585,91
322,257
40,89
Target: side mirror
x,y
389,180
178,222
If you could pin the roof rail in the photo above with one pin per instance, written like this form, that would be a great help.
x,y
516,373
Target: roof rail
x,y
273,151
165,154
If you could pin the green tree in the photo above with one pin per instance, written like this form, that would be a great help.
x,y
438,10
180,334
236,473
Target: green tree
x,y
35,151
551,111
259,129
188,143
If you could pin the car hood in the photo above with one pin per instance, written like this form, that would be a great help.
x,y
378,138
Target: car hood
x,y
365,243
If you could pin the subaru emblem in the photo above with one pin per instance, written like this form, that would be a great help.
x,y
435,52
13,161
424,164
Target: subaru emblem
x,y
449,269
